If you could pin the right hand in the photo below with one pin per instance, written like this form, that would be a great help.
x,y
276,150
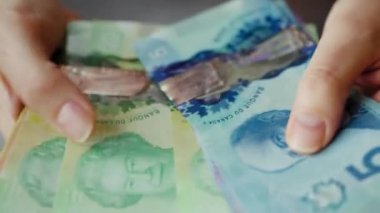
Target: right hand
x,y
348,53
29,33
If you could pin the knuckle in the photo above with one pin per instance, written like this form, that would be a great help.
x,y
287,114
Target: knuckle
x,y
39,86
323,82
319,91
322,75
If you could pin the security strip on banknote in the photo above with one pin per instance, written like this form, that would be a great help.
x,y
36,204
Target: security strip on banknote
x,y
107,81
211,78
240,125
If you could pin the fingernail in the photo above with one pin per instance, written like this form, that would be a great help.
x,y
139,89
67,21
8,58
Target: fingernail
x,y
75,122
307,134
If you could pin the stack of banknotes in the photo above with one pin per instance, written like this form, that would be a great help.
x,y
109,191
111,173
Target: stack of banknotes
x,y
141,157
191,118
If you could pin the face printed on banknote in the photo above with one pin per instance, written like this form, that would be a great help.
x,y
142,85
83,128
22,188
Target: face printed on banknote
x,y
121,169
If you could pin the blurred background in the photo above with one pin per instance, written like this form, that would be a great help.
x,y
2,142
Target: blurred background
x,y
169,11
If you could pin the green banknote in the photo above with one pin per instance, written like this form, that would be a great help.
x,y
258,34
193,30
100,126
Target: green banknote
x,y
128,163
105,43
197,190
29,167
313,31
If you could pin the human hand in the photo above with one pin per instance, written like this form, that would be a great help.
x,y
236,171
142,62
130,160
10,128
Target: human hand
x,y
29,33
348,53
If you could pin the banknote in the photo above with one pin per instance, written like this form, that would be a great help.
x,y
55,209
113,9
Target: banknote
x,y
258,39
197,190
105,43
128,163
196,187
29,166
240,125
242,130
207,68
246,145
312,29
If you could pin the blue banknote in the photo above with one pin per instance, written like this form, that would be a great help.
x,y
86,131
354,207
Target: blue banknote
x,y
233,72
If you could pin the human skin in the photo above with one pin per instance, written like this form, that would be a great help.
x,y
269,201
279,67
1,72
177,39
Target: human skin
x,y
29,33
347,54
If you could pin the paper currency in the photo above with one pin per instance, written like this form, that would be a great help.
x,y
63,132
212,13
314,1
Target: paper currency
x,y
242,130
208,79
29,166
104,47
128,163
127,166
313,31
106,43
197,190
246,145
258,39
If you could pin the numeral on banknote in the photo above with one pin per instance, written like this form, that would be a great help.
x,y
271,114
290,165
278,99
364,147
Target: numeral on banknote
x,y
371,167
158,53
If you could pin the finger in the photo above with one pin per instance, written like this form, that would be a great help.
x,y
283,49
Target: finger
x,y
376,96
369,80
10,108
9,101
324,88
367,91
71,15
369,83
39,83
6,124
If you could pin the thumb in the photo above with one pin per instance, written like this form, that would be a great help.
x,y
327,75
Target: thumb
x,y
10,108
40,85
345,50
70,14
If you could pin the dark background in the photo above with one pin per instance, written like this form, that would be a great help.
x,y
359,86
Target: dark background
x,y
169,11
